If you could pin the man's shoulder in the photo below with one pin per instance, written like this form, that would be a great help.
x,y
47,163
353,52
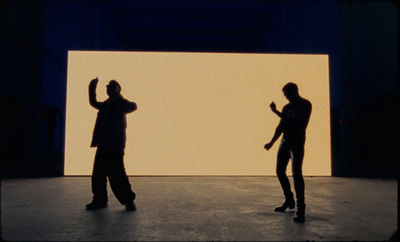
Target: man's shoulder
x,y
287,107
122,99
306,101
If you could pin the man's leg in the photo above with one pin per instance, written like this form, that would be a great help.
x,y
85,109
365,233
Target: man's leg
x,y
299,186
99,182
281,166
119,180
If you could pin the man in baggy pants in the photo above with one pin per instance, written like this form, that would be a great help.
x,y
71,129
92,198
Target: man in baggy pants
x,y
109,137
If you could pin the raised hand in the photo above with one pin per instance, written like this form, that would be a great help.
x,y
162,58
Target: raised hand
x,y
94,81
273,107
93,84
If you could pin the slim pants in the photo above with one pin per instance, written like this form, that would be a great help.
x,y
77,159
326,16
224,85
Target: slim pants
x,y
110,163
296,154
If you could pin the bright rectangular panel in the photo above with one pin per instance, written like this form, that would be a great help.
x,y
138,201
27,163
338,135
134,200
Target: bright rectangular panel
x,y
198,113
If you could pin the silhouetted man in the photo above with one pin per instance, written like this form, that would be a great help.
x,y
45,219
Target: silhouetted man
x,y
294,120
109,137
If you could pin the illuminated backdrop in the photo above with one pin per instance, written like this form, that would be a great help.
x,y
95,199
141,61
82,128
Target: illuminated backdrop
x,y
198,113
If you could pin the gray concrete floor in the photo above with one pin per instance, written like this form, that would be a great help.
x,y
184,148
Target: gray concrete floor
x,y
199,208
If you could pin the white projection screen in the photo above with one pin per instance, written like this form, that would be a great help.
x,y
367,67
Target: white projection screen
x,y
198,113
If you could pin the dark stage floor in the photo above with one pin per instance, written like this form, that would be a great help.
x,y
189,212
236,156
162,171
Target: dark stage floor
x,y
199,208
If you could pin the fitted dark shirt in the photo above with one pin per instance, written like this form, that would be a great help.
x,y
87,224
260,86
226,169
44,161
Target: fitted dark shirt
x,y
294,121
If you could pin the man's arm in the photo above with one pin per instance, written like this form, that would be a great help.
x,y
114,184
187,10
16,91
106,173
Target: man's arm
x,y
130,107
280,114
303,116
279,128
92,94
277,134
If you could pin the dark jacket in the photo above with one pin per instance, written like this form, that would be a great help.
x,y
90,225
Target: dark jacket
x,y
110,128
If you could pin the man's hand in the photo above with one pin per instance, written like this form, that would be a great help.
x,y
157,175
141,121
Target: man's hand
x,y
268,146
92,93
93,83
273,107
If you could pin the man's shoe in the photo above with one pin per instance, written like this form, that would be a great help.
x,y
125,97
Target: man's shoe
x,y
94,206
289,203
299,217
130,206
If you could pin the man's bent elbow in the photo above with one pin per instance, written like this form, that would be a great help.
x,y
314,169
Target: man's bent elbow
x,y
132,107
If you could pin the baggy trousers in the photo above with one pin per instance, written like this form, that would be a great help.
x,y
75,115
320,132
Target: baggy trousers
x,y
296,154
110,163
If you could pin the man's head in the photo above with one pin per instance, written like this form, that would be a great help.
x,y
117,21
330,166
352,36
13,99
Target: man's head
x,y
291,91
113,88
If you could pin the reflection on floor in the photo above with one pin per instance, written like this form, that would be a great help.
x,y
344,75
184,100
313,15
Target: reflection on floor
x,y
199,208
